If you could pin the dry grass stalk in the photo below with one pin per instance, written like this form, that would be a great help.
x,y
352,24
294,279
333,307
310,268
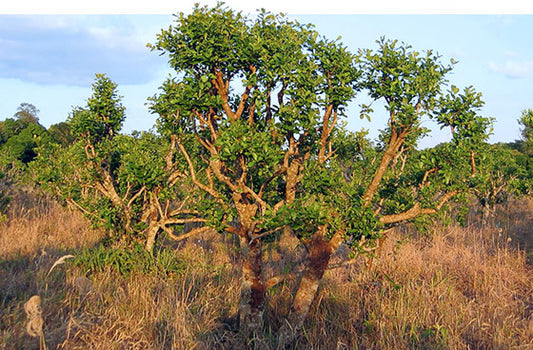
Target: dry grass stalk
x,y
59,261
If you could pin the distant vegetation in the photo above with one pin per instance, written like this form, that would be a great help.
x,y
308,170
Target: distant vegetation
x,y
250,143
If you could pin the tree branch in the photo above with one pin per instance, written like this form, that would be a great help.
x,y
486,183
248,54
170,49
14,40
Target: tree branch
x,y
264,234
395,142
207,189
136,196
219,84
176,221
326,130
191,233
416,210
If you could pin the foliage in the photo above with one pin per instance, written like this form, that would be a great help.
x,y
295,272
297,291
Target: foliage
x,y
526,121
61,134
22,138
21,148
218,54
27,113
502,174
125,261
104,114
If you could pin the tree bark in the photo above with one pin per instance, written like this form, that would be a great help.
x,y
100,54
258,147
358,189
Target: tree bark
x,y
151,235
252,294
317,261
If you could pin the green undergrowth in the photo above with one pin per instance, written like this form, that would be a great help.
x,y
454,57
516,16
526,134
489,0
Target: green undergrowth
x,y
126,260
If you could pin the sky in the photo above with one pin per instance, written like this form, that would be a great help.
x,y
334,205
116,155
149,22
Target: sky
x,y
50,55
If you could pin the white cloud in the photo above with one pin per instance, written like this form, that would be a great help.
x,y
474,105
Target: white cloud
x,y
513,69
71,49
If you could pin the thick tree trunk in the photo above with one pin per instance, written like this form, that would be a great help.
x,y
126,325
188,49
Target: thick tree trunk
x,y
318,259
252,295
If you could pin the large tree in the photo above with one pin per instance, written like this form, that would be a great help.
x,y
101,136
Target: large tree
x,y
263,98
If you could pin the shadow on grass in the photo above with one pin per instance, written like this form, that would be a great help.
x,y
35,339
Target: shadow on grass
x,y
22,277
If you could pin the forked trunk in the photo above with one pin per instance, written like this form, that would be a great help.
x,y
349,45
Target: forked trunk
x,y
318,259
252,295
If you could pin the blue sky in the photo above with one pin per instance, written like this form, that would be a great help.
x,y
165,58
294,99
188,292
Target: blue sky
x,y
50,60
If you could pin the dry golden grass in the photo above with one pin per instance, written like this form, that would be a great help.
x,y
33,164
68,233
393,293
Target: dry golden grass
x,y
458,289
454,288
41,224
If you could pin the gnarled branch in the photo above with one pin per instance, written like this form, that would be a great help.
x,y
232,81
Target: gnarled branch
x,y
416,210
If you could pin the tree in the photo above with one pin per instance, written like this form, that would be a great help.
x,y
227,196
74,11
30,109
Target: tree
x,y
103,117
131,184
10,127
27,113
400,183
263,99
60,133
22,142
500,176
526,121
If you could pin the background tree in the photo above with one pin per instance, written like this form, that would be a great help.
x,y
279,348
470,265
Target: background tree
x,y
27,113
22,147
526,121
61,134
500,176
21,136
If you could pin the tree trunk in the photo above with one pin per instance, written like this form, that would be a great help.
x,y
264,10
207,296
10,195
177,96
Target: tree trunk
x,y
153,227
318,259
252,295
151,234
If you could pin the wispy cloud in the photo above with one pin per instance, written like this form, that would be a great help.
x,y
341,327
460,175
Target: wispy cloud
x,y
513,69
71,49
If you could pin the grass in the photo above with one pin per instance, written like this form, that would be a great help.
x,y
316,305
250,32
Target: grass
x,y
451,288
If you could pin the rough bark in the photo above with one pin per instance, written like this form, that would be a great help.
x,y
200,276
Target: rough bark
x,y
320,252
153,227
252,294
